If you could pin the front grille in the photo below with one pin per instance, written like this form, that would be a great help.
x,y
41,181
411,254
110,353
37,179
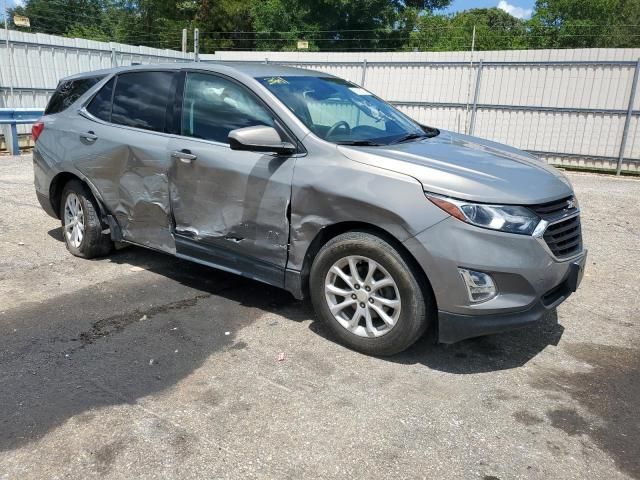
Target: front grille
x,y
563,235
564,238
555,208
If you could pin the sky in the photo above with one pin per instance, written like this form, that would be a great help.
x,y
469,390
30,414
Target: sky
x,y
517,8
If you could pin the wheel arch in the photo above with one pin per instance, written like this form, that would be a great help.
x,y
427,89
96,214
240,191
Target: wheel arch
x,y
56,188
329,232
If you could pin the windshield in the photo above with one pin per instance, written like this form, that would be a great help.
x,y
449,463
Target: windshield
x,y
341,112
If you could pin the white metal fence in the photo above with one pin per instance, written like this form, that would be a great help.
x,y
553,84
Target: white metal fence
x,y
571,107
36,62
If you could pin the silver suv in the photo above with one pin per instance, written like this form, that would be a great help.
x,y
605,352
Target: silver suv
x,y
308,182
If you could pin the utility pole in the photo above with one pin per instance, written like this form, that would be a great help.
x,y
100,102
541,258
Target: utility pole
x,y
184,40
473,47
5,12
196,45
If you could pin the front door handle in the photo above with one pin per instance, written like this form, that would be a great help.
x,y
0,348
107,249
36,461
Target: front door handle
x,y
184,155
89,137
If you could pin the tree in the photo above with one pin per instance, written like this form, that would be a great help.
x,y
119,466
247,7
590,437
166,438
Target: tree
x,y
56,17
347,25
495,30
585,24
337,24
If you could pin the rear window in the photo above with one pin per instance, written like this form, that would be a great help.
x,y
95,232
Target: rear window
x,y
68,92
140,99
100,106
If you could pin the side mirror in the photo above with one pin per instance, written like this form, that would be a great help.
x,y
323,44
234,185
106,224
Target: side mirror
x,y
259,139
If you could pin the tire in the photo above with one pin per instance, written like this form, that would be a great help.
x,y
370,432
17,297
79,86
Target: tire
x,y
366,250
93,243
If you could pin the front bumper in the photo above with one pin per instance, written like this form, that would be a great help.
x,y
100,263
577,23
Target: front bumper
x,y
529,280
453,327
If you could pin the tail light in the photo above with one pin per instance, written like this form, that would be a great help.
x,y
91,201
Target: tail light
x,y
36,130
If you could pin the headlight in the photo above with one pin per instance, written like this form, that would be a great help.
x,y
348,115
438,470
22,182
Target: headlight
x,y
506,218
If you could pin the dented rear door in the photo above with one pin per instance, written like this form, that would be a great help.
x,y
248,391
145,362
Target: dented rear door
x,y
230,207
122,149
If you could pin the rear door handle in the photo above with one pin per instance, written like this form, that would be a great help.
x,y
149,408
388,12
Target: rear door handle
x,y
184,155
89,137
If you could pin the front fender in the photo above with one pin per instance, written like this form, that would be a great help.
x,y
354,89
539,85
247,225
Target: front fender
x,y
328,191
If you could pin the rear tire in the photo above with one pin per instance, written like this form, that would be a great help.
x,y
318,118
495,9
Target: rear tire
x,y
382,309
81,225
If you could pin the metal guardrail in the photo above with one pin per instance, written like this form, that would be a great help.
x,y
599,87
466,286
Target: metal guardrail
x,y
14,117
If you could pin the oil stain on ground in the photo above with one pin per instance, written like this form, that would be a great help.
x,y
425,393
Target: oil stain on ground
x,y
610,392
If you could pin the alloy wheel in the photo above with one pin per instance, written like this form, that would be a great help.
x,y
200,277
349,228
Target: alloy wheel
x,y
73,220
362,296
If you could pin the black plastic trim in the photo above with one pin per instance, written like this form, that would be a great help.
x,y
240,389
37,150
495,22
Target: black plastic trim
x,y
453,327
229,261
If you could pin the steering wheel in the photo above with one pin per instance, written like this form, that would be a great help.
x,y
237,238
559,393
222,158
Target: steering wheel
x,y
336,126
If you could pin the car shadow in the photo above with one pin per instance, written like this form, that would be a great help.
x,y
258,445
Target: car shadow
x,y
501,351
490,353
135,335
128,337
56,234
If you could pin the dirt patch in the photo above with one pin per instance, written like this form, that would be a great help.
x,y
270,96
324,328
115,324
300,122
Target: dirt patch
x,y
609,392
106,456
527,418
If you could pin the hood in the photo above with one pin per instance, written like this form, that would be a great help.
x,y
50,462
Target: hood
x,y
469,168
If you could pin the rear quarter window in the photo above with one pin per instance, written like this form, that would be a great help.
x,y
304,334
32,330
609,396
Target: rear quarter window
x,y
100,105
68,92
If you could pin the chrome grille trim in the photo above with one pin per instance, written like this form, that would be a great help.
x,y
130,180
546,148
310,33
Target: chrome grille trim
x,y
561,235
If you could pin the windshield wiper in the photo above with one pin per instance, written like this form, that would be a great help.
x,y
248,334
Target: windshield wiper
x,y
409,136
360,143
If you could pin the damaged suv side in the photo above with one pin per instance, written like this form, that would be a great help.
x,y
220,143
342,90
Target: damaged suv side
x,y
308,182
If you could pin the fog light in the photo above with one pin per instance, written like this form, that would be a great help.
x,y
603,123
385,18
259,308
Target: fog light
x,y
480,286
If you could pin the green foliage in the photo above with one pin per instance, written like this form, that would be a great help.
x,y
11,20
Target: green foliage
x,y
334,24
337,24
495,30
585,24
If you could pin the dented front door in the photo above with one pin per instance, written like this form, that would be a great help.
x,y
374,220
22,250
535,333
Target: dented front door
x,y
229,206
232,204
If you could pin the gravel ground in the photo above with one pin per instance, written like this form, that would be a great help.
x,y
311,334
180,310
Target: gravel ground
x,y
143,366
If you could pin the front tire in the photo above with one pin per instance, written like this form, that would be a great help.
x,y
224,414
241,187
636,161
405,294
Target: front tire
x,y
81,225
368,294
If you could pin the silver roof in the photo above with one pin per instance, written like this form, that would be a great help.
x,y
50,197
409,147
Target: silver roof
x,y
251,69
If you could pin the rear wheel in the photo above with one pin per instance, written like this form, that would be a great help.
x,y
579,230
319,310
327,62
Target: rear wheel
x,y
81,225
367,294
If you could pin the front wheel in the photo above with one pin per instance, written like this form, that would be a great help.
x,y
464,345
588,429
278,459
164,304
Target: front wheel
x,y
81,225
367,294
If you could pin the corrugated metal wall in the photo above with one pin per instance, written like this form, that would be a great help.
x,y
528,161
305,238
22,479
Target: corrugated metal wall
x,y
569,106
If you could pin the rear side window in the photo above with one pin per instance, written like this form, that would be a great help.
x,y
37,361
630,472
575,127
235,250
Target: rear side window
x,y
141,98
68,92
100,106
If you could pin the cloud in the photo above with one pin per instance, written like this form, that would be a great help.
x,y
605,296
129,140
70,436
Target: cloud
x,y
517,12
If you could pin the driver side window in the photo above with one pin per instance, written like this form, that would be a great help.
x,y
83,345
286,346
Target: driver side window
x,y
213,106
